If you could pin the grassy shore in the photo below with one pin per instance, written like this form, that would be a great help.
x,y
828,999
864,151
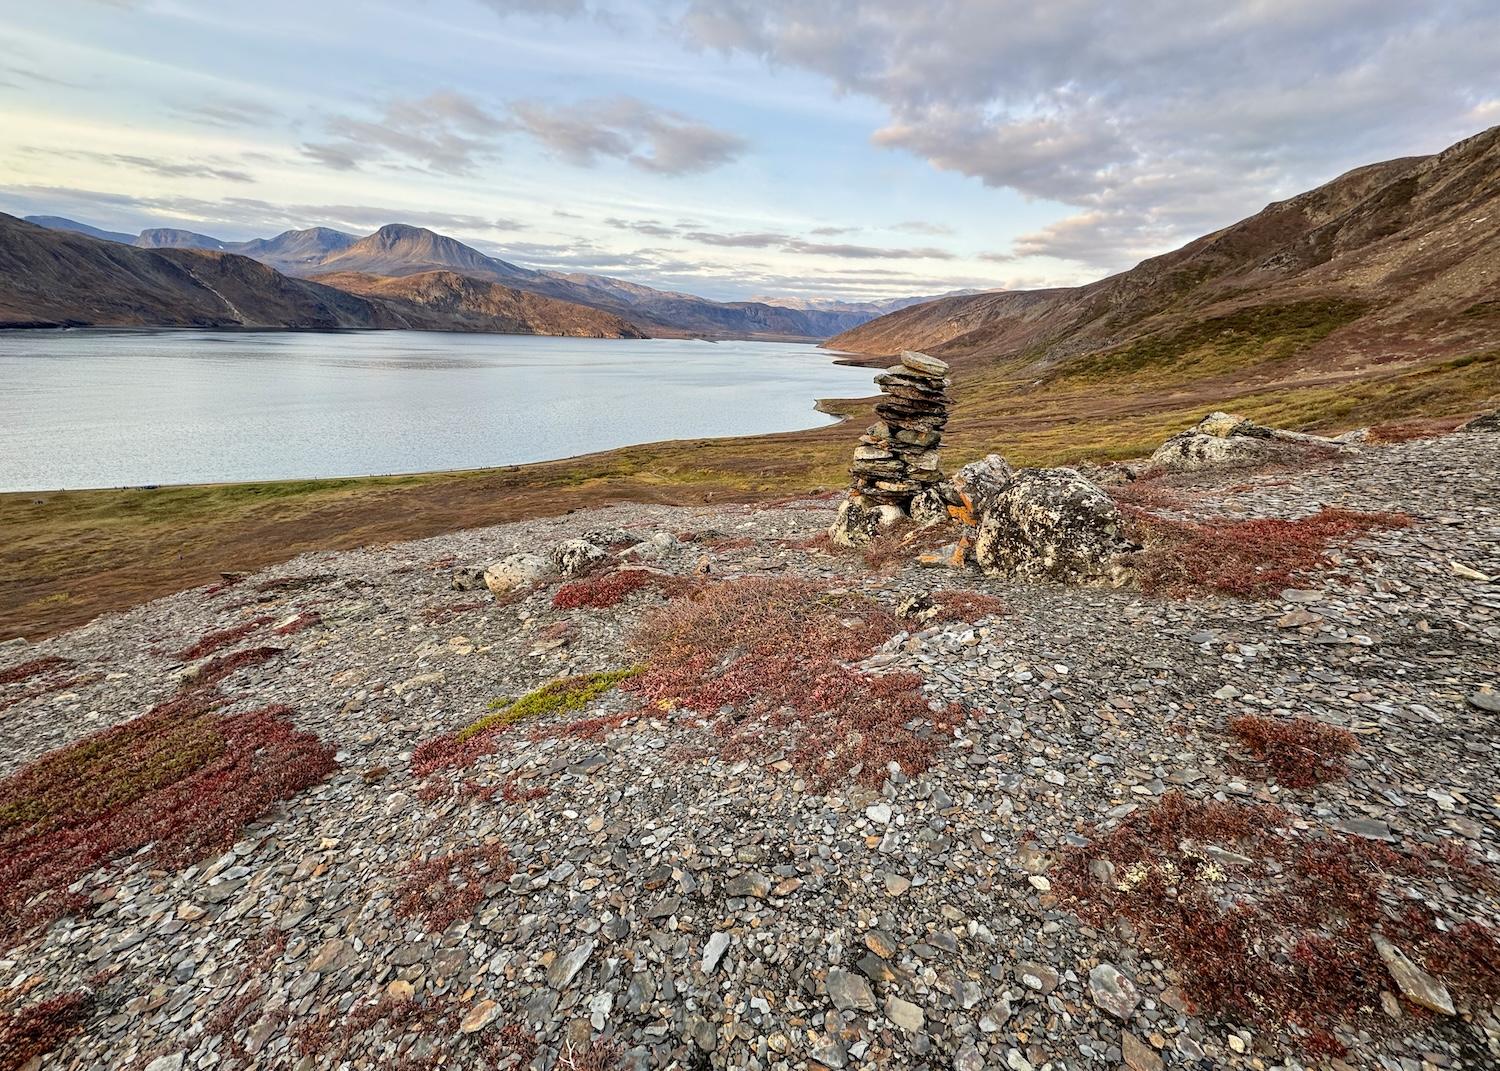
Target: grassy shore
x,y
66,557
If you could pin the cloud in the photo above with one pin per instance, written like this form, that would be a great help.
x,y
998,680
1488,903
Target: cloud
x,y
445,132
451,133
150,165
225,112
790,244
560,8
653,227
1156,120
917,226
625,128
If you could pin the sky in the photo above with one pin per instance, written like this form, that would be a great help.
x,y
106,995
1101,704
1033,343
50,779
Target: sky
x,y
819,148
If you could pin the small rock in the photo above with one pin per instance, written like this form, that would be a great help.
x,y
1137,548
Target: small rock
x,y
1416,985
848,991
714,949
904,1013
479,1016
1112,991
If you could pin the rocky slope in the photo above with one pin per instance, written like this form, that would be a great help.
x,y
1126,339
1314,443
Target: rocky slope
x,y
631,883
1395,262
447,301
51,278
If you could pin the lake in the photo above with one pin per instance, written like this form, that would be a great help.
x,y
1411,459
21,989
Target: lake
x,y
107,408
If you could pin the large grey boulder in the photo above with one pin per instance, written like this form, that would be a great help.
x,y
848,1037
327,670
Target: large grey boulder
x,y
515,571
1224,440
576,556
1049,524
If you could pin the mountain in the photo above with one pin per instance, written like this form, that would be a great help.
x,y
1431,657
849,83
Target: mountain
x,y
62,223
171,238
397,250
447,301
293,251
59,278
874,308
1393,261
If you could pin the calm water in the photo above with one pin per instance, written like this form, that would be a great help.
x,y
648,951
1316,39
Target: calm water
x,y
123,408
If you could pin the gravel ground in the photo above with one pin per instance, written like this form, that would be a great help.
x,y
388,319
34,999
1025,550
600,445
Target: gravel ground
x,y
702,912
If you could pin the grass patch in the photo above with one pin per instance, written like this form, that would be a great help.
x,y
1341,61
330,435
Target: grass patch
x,y
1298,752
765,662
1264,333
458,750
1272,925
183,778
1248,559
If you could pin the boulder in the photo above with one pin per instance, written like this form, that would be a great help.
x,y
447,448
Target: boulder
x,y
467,578
576,556
516,571
655,547
1048,524
1488,422
860,520
1225,440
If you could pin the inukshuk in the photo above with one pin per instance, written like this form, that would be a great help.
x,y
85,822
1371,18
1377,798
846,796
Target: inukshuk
x,y
897,459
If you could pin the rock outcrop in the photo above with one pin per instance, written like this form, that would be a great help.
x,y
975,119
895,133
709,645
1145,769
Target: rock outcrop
x,y
1489,422
1225,440
897,462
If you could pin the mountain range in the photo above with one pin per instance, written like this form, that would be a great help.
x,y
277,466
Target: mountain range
x,y
398,250
53,277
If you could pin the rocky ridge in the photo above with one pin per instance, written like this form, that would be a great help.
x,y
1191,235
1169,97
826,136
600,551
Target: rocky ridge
x,y
683,908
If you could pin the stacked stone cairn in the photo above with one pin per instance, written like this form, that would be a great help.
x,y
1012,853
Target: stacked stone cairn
x,y
897,472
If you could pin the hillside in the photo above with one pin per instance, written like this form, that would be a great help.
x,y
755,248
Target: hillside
x,y
1371,297
447,301
55,278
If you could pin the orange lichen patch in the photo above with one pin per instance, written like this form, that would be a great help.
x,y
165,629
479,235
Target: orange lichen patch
x,y
1299,752
183,778
766,663
1249,558
1273,924
964,514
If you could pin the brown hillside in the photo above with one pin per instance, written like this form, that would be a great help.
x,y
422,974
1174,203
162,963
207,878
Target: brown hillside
x,y
445,300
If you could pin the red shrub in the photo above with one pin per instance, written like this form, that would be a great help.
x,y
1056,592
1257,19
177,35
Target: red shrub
x,y
1245,558
956,605
511,792
305,620
183,778
217,641
1299,752
602,591
226,1020
443,890
48,686
27,670
601,1054
35,1031
773,653
905,543
1282,934
215,672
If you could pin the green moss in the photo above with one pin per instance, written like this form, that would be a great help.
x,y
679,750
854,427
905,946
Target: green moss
x,y
1219,343
565,695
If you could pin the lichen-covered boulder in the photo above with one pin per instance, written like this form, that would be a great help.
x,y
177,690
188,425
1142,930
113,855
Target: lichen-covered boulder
x,y
1191,451
977,484
516,571
1050,524
1488,422
859,520
575,556
1224,440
